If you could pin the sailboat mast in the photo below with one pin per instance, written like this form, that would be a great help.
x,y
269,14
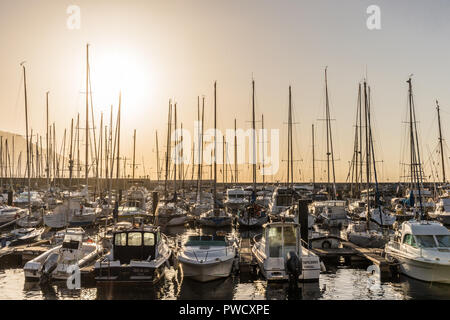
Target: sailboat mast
x,y
118,139
367,154
26,135
235,153
175,163
215,146
329,138
47,168
87,120
157,158
313,161
169,120
440,141
289,139
71,156
254,136
263,147
134,151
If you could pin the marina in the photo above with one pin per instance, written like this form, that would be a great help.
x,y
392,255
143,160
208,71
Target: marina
x,y
224,150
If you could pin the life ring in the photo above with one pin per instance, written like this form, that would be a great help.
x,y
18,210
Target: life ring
x,y
326,244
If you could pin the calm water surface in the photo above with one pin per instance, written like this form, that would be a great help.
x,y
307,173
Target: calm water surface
x,y
339,282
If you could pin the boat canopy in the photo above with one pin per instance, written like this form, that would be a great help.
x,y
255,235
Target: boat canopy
x,y
424,228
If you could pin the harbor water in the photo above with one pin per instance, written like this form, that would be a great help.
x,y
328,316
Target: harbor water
x,y
338,282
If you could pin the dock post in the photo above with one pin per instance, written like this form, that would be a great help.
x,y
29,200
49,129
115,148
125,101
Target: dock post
x,y
155,200
303,219
10,198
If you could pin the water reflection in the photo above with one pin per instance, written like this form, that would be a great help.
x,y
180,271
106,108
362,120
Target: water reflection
x,y
339,282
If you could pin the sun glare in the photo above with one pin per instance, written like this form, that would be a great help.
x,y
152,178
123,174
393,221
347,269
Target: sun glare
x,y
116,72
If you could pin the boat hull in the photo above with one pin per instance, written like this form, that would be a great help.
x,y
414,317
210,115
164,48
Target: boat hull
x,y
423,271
206,271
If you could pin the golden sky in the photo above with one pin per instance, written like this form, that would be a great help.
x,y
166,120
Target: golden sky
x,y
155,50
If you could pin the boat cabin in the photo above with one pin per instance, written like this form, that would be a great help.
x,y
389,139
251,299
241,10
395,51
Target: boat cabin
x,y
73,239
235,194
283,197
425,234
135,244
281,238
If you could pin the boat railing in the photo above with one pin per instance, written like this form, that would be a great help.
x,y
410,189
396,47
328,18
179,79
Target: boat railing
x,y
226,249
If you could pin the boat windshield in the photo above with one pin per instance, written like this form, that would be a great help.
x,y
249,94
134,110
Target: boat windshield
x,y
284,200
443,241
195,241
282,240
426,241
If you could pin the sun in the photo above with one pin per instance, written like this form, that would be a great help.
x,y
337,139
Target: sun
x,y
120,71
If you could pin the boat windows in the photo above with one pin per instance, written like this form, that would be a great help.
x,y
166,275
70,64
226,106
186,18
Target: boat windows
x,y
290,238
71,244
283,200
426,241
275,242
443,241
409,239
149,239
120,239
134,239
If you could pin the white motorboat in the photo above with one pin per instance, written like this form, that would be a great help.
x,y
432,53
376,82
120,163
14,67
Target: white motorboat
x,y
8,213
138,254
235,199
281,255
206,258
169,214
282,199
334,214
442,212
216,218
22,200
57,263
422,249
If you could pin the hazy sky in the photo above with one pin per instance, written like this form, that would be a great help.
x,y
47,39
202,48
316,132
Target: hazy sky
x,y
156,50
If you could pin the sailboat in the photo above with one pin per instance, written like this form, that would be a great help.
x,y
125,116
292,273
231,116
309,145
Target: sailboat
x,y
421,248
253,215
168,212
203,201
331,212
369,233
216,217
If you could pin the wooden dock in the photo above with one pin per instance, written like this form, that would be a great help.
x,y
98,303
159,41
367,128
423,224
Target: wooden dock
x,y
246,262
350,250
25,252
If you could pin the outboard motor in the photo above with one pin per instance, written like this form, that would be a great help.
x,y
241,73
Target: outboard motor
x,y
48,267
293,267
